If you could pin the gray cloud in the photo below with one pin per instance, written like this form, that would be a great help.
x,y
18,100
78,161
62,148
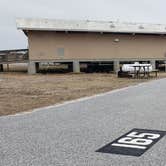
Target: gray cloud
x,y
148,11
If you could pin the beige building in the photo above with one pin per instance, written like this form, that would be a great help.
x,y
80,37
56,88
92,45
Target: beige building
x,y
91,41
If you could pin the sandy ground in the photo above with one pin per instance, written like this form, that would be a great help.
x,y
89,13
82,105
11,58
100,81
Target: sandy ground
x,y
20,92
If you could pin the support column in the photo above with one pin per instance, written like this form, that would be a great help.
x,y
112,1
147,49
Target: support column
x,y
76,67
1,67
32,68
7,67
116,66
165,65
153,63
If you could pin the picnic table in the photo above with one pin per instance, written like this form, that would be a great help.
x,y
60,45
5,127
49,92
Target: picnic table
x,y
143,69
136,70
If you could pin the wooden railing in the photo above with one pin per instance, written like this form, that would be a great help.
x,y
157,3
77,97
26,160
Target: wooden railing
x,y
14,56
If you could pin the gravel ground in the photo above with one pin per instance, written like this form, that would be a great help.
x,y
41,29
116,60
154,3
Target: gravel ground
x,y
69,135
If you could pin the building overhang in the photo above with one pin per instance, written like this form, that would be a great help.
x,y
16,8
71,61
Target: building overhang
x,y
89,26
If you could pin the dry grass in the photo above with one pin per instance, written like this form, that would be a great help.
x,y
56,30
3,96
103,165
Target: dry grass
x,y
21,92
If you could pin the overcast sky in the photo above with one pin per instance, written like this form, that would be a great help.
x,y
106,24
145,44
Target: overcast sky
x,y
146,11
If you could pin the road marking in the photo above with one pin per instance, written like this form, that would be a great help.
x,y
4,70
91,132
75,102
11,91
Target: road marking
x,y
129,146
134,143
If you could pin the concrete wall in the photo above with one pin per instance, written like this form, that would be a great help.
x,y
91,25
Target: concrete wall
x,y
89,46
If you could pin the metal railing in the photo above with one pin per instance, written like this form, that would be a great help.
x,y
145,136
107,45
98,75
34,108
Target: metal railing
x,y
14,56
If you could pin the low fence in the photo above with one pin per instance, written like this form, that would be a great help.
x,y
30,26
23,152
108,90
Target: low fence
x,y
14,56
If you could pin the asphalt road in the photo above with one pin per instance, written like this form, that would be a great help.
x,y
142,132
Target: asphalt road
x,y
69,135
